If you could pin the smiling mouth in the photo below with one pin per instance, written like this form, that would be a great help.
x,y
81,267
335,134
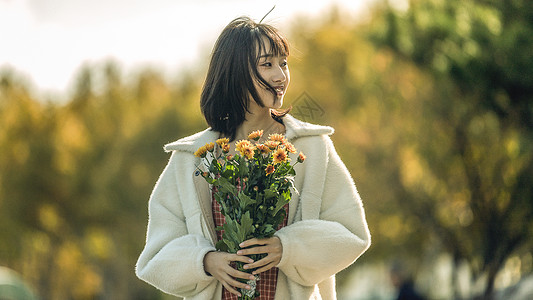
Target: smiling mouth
x,y
280,90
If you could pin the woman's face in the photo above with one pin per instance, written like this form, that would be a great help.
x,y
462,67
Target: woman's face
x,y
275,71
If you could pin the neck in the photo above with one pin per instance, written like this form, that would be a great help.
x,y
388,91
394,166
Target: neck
x,y
259,118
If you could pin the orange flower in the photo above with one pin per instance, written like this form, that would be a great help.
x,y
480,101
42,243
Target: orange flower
x,y
280,155
271,144
225,148
223,141
201,152
277,137
262,148
290,147
247,151
229,157
255,135
210,147
270,169
301,157
242,144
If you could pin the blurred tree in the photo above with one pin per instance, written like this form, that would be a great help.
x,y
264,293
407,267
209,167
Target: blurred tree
x,y
75,178
469,172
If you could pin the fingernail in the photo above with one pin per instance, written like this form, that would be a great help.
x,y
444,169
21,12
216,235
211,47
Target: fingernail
x,y
239,252
245,267
252,277
248,287
250,260
241,244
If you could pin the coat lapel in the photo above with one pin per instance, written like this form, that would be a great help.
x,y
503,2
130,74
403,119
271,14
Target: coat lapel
x,y
203,190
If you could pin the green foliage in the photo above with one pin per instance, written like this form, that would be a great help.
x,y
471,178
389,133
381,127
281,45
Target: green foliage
x,y
481,53
433,121
75,178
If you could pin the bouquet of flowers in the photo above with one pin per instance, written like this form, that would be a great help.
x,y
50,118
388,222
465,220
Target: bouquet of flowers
x,y
252,188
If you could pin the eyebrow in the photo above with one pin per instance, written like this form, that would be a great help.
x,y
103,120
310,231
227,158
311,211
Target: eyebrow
x,y
270,55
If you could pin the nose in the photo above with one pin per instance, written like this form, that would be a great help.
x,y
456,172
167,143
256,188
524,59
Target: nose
x,y
279,75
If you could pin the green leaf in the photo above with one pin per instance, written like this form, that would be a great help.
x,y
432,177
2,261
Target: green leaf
x,y
245,201
291,172
270,193
226,187
210,180
214,166
222,246
280,204
268,230
247,224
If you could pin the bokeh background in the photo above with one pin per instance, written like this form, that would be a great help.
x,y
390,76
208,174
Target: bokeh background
x,y
431,101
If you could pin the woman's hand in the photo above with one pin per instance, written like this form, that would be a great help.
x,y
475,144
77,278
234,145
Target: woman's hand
x,y
271,246
218,265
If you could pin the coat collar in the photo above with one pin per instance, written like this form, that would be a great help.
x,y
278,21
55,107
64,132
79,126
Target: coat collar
x,y
294,129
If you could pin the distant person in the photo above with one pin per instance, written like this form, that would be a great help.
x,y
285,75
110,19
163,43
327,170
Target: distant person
x,y
325,230
404,284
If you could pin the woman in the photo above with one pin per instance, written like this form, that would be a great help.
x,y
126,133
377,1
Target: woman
x,y
326,229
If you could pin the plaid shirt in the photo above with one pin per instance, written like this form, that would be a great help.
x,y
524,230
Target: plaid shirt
x,y
268,279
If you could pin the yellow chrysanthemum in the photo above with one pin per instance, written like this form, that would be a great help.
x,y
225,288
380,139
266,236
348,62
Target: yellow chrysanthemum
x,y
242,144
262,148
222,141
225,148
255,135
210,147
279,156
270,169
277,137
290,147
247,151
301,157
272,144
201,152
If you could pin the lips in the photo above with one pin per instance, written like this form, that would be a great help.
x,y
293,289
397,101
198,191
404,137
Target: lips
x,y
280,90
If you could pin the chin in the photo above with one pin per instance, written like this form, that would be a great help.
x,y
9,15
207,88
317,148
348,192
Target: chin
x,y
278,103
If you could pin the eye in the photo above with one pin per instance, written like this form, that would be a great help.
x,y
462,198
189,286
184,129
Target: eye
x,y
266,64
284,63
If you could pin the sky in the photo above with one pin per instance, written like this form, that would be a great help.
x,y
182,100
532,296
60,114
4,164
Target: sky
x,y
48,40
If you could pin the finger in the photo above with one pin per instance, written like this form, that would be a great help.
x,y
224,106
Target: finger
x,y
228,279
254,250
271,258
241,258
238,274
263,269
231,289
253,241
237,284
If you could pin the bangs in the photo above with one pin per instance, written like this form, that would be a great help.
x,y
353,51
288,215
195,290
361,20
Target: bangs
x,y
278,43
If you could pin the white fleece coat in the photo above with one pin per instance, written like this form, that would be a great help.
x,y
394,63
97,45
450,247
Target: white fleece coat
x,y
326,229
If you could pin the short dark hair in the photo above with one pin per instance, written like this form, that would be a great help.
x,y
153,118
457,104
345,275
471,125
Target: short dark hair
x,y
233,70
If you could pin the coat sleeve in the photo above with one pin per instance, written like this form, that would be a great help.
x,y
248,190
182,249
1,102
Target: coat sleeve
x,y
333,232
172,259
